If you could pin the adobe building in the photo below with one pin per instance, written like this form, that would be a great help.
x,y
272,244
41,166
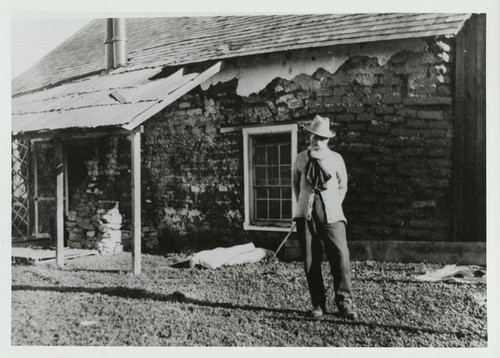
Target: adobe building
x,y
189,127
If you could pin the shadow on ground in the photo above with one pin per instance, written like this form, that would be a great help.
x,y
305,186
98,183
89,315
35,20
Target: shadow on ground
x,y
179,297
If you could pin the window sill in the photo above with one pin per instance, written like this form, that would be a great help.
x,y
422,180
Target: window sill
x,y
251,227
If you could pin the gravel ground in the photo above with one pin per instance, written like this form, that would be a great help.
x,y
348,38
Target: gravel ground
x,y
97,301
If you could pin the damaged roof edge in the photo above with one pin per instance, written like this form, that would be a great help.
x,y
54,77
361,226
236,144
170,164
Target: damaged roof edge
x,y
101,113
155,108
101,72
190,52
263,51
55,84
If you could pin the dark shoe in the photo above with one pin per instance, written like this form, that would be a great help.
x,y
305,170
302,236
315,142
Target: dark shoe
x,y
317,312
346,311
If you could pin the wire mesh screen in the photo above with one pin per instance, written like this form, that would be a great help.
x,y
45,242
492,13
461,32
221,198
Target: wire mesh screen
x,y
20,196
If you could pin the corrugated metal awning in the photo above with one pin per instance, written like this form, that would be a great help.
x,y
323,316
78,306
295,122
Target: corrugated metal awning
x,y
123,100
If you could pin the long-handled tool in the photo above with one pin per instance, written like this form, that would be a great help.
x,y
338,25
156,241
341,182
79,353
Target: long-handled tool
x,y
286,238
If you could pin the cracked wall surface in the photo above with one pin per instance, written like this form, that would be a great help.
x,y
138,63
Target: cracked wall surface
x,y
390,104
255,73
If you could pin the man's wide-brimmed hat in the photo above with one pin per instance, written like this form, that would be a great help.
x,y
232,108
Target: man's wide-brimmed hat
x,y
321,127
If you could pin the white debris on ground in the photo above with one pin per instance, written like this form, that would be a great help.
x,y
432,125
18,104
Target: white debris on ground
x,y
480,297
235,255
465,274
88,323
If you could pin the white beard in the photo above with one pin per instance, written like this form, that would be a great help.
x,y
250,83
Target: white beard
x,y
317,153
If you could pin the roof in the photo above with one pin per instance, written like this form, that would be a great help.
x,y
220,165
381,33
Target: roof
x,y
172,41
122,99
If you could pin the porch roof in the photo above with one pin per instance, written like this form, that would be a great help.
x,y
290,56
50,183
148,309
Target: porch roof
x,y
120,100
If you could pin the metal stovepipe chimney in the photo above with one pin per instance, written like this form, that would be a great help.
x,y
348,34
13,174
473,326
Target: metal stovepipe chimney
x,y
108,45
119,43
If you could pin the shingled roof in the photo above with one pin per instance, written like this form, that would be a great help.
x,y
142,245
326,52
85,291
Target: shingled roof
x,y
171,41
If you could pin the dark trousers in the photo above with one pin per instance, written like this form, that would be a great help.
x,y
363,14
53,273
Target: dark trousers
x,y
310,233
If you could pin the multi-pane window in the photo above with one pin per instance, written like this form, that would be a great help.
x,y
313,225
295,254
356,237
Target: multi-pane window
x,y
271,179
268,154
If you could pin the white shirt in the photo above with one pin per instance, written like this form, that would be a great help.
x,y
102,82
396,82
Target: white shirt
x,y
334,194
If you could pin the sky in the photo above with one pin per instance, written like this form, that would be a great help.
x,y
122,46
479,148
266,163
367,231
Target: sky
x,y
31,39
34,33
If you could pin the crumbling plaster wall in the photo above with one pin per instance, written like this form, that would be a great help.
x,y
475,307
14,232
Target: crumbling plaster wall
x,y
255,73
390,103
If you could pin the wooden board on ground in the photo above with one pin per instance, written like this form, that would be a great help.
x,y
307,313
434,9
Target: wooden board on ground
x,y
37,255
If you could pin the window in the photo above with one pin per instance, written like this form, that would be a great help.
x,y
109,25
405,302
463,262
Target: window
x,y
271,182
268,154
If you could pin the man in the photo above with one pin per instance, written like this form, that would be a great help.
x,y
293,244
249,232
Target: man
x,y
320,184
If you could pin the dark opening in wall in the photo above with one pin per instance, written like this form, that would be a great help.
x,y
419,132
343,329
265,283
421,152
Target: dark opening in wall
x,y
79,152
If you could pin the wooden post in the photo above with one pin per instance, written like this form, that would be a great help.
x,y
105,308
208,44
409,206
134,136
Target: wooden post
x,y
66,184
135,140
458,137
469,132
59,170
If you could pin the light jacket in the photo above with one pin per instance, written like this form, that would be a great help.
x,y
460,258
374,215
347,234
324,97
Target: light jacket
x,y
334,194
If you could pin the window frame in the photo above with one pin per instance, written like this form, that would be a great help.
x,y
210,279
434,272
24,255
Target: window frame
x,y
248,134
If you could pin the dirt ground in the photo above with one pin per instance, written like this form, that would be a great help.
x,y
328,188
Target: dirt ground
x,y
97,301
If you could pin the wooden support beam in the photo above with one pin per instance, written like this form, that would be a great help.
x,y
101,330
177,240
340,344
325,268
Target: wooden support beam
x,y
59,170
72,133
458,136
135,145
34,155
66,184
469,132
169,95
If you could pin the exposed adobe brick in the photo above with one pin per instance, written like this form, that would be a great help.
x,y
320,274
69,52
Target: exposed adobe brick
x,y
399,165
